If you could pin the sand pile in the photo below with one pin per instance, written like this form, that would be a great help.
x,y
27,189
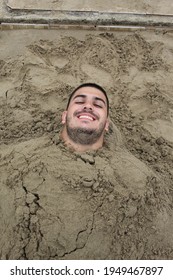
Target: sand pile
x,y
115,203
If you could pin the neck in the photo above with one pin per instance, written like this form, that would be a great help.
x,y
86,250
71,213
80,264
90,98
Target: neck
x,y
79,147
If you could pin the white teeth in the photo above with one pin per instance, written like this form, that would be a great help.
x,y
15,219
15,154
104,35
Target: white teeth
x,y
86,117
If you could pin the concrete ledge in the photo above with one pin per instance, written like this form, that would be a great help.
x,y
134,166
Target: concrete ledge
x,y
80,18
88,18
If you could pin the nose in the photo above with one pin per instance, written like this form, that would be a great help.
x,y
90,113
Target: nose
x,y
88,106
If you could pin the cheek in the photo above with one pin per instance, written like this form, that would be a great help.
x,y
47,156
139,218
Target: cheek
x,y
70,115
103,116
71,110
70,119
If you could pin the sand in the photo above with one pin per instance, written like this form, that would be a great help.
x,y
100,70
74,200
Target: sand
x,y
115,203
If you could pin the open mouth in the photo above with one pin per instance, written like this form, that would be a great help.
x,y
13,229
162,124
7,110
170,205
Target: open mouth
x,y
86,117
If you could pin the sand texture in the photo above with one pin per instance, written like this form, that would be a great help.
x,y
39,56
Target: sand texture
x,y
115,203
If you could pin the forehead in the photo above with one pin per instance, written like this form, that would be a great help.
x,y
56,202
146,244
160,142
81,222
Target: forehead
x,y
90,92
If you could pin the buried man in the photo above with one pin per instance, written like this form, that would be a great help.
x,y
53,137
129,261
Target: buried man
x,y
85,122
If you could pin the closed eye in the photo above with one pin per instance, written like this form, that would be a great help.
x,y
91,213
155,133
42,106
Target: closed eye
x,y
97,105
79,102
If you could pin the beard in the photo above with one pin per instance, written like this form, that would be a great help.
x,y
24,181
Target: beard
x,y
84,136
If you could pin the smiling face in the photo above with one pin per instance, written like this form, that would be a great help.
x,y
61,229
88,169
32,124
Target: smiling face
x,y
86,117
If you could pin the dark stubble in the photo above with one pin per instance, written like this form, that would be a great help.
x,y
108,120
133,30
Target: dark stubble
x,y
84,136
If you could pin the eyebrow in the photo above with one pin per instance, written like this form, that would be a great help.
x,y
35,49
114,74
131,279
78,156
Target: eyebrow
x,y
84,96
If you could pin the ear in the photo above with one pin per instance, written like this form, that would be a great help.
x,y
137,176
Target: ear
x,y
63,117
107,125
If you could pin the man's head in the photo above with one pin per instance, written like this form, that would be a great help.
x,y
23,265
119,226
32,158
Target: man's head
x,y
86,117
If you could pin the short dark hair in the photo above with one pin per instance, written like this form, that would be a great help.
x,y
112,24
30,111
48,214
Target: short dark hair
x,y
89,85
